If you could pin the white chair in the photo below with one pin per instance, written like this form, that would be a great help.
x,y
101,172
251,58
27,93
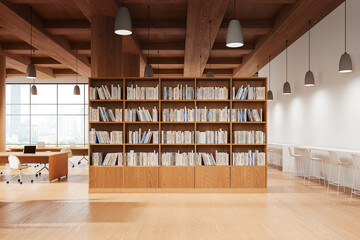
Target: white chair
x,y
15,164
295,170
314,160
356,167
40,144
335,160
270,158
69,152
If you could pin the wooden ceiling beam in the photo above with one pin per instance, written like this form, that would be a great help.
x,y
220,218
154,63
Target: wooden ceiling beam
x,y
290,24
67,26
44,60
272,1
197,41
14,72
64,72
15,18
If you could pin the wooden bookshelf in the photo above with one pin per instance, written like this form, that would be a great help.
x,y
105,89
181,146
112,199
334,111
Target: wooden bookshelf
x,y
125,178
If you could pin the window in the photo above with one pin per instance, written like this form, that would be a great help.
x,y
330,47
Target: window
x,y
54,116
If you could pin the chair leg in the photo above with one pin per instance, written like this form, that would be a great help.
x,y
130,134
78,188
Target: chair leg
x,y
352,186
309,176
83,158
338,185
39,172
73,165
323,171
329,178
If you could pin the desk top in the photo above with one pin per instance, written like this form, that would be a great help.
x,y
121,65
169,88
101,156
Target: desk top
x,y
47,149
38,154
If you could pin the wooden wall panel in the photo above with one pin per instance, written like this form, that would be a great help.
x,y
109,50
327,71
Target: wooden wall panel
x,y
58,166
106,177
212,177
248,176
141,177
177,177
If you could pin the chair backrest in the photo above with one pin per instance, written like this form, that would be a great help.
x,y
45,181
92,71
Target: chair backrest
x,y
72,144
14,162
308,154
290,151
334,157
68,151
40,144
356,160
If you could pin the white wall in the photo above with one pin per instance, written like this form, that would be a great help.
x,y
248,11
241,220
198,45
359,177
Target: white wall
x,y
327,114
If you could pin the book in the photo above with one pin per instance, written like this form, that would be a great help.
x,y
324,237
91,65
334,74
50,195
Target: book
x,y
209,93
133,158
178,159
142,93
249,137
179,92
250,158
212,137
103,93
207,159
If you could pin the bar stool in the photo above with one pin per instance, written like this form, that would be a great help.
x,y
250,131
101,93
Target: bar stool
x,y
296,156
335,160
312,161
356,167
270,161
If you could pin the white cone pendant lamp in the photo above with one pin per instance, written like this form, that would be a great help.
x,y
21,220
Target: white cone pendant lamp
x,y
234,36
270,96
148,72
77,88
286,87
309,76
123,25
210,74
345,64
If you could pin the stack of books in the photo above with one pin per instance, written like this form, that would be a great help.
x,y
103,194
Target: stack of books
x,y
178,115
247,115
103,137
221,159
101,114
103,93
212,115
249,137
178,159
249,159
141,115
211,137
210,93
139,137
110,159
142,93
249,93
133,158
178,93
177,137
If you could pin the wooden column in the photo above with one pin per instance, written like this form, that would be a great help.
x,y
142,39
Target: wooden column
x,y
109,55
2,103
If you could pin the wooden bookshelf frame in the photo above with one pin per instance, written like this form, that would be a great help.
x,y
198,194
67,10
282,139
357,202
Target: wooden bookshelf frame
x,y
182,178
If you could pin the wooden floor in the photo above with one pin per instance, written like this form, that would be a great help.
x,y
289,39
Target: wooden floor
x,y
65,210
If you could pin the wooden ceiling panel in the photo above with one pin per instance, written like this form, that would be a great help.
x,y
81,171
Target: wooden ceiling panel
x,y
59,9
157,11
254,9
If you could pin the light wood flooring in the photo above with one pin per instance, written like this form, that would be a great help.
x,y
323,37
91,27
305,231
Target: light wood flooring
x,y
65,210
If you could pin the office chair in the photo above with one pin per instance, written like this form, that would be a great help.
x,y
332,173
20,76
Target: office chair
x,y
15,164
73,145
69,152
40,144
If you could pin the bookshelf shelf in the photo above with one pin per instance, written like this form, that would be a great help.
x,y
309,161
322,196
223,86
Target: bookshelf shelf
x,y
178,176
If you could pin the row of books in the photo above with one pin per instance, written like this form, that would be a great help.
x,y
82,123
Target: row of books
x,y
103,137
177,137
111,159
211,137
101,114
178,159
141,115
139,137
249,137
178,115
178,93
142,93
212,115
249,93
103,93
249,158
133,158
247,115
221,159
205,93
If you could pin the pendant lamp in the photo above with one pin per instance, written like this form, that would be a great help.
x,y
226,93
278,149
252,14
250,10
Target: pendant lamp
x,y
77,88
148,69
31,70
210,73
309,77
286,87
270,96
345,64
234,36
123,24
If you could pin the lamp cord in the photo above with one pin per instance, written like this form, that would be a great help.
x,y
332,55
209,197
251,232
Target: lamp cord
x,y
286,60
31,48
309,46
210,46
234,10
77,59
200,64
269,70
148,7
345,26
158,63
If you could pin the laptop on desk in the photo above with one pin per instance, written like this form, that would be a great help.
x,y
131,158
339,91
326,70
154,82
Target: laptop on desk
x,y
29,149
